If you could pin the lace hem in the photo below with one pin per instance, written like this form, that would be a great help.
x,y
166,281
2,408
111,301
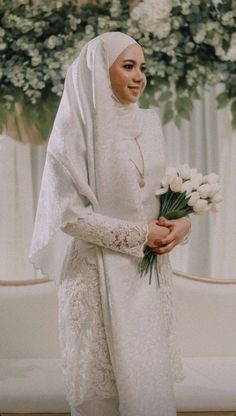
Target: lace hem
x,y
168,308
85,358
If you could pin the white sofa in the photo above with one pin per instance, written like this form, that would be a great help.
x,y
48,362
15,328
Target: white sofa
x,y
30,373
207,333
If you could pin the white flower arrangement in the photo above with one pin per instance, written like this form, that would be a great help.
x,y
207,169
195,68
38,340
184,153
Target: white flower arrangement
x,y
203,51
183,191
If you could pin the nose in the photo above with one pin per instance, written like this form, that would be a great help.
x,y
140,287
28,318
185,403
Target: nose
x,y
138,75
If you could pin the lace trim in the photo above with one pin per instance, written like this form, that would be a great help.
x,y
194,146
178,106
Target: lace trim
x,y
168,308
85,358
117,235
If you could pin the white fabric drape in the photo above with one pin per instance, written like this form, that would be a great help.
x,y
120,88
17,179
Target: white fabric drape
x,y
20,171
206,142
223,244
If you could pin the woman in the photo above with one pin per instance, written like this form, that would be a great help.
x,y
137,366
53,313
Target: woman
x,y
104,162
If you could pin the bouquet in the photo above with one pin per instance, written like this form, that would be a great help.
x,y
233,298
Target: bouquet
x,y
183,191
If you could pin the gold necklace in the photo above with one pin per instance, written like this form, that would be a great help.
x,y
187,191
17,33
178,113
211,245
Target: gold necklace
x,y
141,172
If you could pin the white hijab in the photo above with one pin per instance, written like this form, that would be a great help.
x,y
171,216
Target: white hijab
x,y
86,166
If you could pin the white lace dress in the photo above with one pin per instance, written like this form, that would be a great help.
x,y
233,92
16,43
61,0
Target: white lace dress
x,y
140,373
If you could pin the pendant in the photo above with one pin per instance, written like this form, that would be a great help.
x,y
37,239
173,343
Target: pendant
x,y
141,183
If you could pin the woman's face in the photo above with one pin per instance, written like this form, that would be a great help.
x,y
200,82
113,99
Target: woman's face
x,y
128,79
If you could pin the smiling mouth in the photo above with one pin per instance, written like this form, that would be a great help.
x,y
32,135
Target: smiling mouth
x,y
134,88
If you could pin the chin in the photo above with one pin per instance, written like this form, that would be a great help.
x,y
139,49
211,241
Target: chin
x,y
133,100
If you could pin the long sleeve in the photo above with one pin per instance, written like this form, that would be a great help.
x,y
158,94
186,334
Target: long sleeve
x,y
186,238
118,235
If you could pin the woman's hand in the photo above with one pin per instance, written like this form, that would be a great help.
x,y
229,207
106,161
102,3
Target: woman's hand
x,y
156,233
178,229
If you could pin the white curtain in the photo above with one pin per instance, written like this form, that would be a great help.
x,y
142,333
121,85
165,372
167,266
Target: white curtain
x,y
20,173
207,142
223,243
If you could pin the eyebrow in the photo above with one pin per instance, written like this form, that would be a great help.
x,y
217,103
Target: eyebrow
x,y
133,61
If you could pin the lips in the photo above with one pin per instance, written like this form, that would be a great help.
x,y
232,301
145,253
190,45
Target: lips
x,y
134,88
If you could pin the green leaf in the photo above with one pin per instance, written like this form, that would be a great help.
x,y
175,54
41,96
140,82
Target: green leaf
x,y
183,104
195,94
222,100
233,108
168,113
233,122
166,95
177,120
184,107
3,116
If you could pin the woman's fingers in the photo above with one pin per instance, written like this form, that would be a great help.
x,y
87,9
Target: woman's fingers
x,y
167,240
164,222
164,249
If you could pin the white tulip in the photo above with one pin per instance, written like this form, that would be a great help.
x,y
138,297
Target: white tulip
x,y
165,181
194,197
184,171
161,191
204,190
197,180
217,198
193,172
187,186
215,187
200,207
211,178
176,184
215,208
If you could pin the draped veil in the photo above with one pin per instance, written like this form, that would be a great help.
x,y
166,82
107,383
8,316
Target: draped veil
x,y
86,168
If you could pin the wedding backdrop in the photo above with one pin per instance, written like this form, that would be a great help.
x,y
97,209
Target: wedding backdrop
x,y
190,50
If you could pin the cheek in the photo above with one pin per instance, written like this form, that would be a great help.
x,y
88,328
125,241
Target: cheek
x,y
144,82
116,79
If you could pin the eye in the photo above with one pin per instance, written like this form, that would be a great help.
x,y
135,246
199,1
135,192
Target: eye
x,y
129,67
143,69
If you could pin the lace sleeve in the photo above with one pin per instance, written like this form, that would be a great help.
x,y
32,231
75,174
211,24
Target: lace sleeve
x,y
186,238
118,235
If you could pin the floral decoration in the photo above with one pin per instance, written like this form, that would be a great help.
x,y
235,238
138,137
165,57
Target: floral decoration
x,y
189,45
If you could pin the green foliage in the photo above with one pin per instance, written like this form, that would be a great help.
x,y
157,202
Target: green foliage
x,y
187,45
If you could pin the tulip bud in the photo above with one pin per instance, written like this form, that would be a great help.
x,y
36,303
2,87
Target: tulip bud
x,y
184,171
187,186
161,191
217,198
176,184
211,178
200,206
215,208
193,172
194,197
165,181
204,190
197,180
215,187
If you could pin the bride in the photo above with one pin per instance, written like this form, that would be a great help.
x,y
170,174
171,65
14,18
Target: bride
x,y
97,210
